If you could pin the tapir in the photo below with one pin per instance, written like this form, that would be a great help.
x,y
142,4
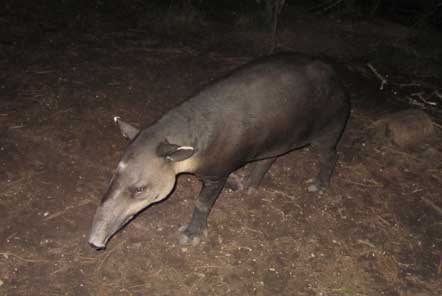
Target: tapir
x,y
253,115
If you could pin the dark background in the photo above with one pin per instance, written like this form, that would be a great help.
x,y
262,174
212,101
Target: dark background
x,y
409,12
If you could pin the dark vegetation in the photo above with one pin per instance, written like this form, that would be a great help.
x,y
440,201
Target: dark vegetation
x,y
70,12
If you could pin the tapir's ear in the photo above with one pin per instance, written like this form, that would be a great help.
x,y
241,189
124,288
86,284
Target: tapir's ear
x,y
128,131
174,152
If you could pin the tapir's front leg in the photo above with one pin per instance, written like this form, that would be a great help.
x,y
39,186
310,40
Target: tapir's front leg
x,y
190,234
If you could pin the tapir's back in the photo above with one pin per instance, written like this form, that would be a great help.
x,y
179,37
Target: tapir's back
x,y
265,107
284,84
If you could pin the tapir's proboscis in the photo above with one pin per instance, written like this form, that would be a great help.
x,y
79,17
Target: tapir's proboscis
x,y
258,112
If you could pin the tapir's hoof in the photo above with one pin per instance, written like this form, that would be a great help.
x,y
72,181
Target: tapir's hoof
x,y
235,182
187,238
315,186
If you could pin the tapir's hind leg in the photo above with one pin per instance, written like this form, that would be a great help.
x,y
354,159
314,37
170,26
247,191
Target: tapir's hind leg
x,y
190,234
257,170
327,162
254,173
325,145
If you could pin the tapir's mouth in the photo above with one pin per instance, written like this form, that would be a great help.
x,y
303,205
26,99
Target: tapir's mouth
x,y
98,245
100,242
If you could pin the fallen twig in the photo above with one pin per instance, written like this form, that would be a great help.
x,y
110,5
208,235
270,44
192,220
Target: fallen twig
x,y
382,221
209,266
12,183
432,205
62,269
251,229
288,196
401,85
108,254
29,260
81,203
366,242
421,97
16,126
373,184
10,236
401,153
43,72
412,101
379,76
87,260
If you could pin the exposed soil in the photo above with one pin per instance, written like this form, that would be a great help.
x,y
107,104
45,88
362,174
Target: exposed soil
x,y
376,231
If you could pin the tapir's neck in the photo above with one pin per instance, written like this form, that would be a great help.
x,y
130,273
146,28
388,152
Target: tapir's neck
x,y
187,166
181,127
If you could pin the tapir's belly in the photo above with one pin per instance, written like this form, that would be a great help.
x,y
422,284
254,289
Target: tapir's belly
x,y
251,135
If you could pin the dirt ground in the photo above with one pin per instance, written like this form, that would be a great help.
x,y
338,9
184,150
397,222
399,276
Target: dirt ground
x,y
376,231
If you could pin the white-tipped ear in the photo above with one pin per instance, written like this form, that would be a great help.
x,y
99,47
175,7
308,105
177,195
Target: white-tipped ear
x,y
174,152
128,131
185,148
181,153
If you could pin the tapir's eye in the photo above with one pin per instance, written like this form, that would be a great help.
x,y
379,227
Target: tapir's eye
x,y
140,189
137,190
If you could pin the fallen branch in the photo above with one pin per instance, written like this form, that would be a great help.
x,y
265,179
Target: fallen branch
x,y
379,76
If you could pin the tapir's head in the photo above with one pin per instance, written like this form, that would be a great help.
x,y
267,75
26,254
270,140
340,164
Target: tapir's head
x,y
145,175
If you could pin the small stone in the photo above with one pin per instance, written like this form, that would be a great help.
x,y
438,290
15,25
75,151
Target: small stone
x,y
312,188
1,283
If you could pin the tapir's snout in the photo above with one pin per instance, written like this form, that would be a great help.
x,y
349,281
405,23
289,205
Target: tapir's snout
x,y
104,225
99,234
96,244
107,221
